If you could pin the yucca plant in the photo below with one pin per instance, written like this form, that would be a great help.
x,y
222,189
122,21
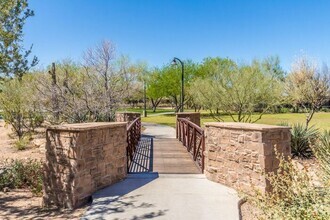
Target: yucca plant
x,y
302,140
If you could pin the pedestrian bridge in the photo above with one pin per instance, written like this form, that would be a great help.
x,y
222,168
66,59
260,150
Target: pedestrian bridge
x,y
159,151
165,181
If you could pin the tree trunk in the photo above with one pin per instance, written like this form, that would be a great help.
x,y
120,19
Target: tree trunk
x,y
155,103
309,117
55,103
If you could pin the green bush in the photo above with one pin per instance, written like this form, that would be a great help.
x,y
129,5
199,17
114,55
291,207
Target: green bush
x,y
20,106
302,139
22,174
324,109
22,143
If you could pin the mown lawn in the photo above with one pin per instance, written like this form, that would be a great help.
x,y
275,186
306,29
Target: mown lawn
x,y
321,120
149,111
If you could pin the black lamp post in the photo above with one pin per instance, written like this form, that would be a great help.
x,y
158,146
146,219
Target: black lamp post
x,y
174,62
144,98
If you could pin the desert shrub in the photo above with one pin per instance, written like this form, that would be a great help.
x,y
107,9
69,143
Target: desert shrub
x,y
322,153
20,106
22,174
22,143
293,195
324,109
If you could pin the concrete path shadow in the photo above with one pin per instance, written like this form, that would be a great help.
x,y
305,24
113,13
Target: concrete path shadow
x,y
165,196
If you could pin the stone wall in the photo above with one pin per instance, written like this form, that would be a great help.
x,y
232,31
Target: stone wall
x,y
194,117
237,154
127,116
81,159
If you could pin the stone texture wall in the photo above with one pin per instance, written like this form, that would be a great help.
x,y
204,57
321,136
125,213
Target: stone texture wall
x,y
237,154
81,159
126,116
194,117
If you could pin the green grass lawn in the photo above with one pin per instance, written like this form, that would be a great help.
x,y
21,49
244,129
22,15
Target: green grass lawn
x,y
320,120
149,111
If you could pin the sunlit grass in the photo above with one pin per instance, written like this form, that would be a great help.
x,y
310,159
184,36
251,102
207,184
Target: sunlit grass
x,y
149,111
321,120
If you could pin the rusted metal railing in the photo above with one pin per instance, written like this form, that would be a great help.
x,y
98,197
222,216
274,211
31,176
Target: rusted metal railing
x,y
133,137
193,138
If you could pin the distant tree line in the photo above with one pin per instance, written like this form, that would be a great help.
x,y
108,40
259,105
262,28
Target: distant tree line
x,y
103,82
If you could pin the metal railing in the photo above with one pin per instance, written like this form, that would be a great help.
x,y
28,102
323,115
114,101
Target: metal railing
x,y
193,138
133,137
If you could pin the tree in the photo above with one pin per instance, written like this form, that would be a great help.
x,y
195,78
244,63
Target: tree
x,y
155,88
20,109
115,75
239,91
13,57
168,82
308,86
73,93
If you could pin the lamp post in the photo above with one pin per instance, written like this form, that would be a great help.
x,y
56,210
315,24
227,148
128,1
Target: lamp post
x,y
144,98
174,62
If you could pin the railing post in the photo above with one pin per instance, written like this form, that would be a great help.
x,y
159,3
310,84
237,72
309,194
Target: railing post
x,y
194,141
188,134
203,149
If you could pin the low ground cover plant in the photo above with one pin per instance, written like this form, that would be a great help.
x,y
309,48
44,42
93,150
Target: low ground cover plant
x,y
18,174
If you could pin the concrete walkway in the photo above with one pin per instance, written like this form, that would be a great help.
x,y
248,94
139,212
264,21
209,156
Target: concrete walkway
x,y
165,196
169,186
158,131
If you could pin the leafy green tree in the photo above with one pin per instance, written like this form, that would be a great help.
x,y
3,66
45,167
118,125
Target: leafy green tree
x,y
168,83
20,106
239,91
14,60
271,65
155,88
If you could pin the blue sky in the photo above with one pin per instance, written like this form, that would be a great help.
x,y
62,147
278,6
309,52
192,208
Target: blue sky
x,y
157,30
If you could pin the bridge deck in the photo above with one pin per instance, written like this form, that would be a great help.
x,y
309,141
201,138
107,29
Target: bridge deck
x,y
163,154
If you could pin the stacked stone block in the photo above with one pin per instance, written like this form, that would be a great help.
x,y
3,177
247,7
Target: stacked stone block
x,y
127,116
194,117
81,159
239,154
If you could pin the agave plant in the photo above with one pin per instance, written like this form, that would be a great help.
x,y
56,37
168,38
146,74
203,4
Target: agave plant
x,y
302,140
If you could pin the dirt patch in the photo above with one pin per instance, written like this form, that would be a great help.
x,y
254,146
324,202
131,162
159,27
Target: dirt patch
x,y
248,211
21,204
8,150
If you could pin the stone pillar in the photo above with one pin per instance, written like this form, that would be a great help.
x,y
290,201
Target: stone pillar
x,y
81,159
238,154
194,117
127,116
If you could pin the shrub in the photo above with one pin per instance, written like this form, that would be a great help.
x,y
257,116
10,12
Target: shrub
x,y
22,174
322,153
325,109
21,144
19,107
293,195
